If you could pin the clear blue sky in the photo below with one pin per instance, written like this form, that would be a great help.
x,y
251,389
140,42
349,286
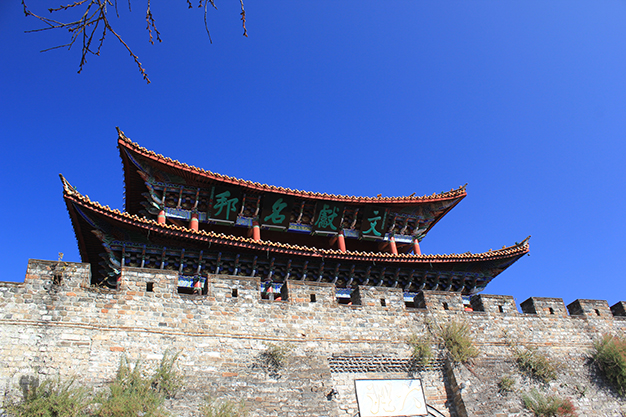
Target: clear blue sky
x,y
523,100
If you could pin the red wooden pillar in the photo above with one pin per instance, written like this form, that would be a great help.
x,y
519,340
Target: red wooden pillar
x,y
193,223
416,247
161,217
256,230
392,244
342,241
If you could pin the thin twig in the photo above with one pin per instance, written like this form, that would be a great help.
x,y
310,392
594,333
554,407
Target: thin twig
x,y
95,14
151,25
206,25
69,6
143,72
54,47
243,19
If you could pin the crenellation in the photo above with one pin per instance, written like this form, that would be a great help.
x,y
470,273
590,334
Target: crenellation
x,y
498,304
387,299
438,301
591,309
137,280
544,306
619,309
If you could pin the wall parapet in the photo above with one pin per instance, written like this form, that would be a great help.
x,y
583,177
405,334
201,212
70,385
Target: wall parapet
x,y
43,275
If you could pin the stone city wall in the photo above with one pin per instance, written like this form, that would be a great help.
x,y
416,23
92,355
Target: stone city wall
x,y
56,324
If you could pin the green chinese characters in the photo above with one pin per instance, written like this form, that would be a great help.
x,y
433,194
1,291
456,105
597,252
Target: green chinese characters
x,y
226,203
373,223
328,218
276,210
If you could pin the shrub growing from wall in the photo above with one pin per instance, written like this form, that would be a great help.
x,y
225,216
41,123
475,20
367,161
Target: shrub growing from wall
x,y
52,397
422,351
610,355
535,364
135,391
457,341
543,405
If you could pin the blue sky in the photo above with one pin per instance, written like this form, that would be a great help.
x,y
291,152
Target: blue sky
x,y
523,100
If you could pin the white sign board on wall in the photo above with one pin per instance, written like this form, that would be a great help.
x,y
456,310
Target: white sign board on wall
x,y
390,397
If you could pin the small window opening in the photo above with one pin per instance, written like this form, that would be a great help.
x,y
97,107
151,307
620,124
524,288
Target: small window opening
x,y
192,285
445,306
500,309
348,296
268,291
274,291
597,312
234,293
344,296
313,298
551,310
149,286
383,302
410,300
344,300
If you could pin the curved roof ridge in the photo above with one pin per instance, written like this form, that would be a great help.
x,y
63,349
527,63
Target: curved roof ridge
x,y
445,195
71,193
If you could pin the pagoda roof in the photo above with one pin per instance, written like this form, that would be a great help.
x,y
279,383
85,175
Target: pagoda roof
x,y
71,194
91,248
190,172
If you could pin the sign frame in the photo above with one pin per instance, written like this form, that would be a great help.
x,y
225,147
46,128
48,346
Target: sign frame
x,y
371,393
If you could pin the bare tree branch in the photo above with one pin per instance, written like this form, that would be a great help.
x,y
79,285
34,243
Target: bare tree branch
x,y
94,20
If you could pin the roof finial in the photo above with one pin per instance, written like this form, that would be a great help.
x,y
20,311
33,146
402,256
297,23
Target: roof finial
x,y
121,134
67,187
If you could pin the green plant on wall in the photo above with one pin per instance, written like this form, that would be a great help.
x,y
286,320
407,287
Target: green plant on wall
x,y
167,380
135,391
456,340
59,270
543,405
274,358
52,397
277,354
421,349
505,385
130,394
609,353
535,364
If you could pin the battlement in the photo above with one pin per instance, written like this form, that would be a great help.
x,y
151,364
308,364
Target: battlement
x,y
138,282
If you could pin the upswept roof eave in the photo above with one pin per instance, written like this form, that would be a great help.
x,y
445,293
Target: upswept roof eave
x,y
123,141
71,194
